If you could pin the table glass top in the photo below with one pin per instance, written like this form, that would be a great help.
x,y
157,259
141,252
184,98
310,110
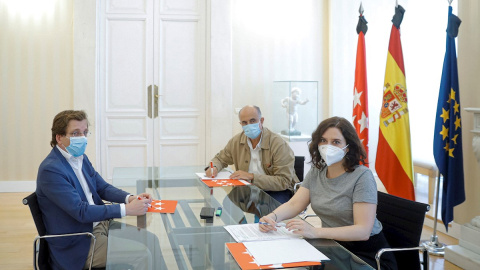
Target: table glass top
x,y
183,240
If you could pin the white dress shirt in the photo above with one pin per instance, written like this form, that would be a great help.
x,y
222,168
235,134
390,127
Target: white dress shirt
x,y
255,165
77,163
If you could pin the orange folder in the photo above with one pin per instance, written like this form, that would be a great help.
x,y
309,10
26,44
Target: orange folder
x,y
247,262
223,182
162,206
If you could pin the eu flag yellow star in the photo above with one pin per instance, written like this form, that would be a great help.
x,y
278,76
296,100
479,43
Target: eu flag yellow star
x,y
454,139
450,152
445,115
452,95
456,107
444,132
457,123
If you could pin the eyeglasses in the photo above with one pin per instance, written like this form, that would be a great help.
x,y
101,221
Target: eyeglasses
x,y
79,134
249,122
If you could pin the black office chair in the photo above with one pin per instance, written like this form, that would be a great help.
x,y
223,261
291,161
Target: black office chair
x,y
299,167
41,256
402,222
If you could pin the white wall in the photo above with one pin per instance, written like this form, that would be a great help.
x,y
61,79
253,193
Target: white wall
x,y
35,82
275,41
219,62
468,51
84,68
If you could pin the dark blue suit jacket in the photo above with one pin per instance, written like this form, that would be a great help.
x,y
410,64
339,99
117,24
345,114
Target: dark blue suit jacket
x,y
65,208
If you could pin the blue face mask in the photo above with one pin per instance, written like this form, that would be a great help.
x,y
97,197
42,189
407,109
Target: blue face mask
x,y
252,131
77,146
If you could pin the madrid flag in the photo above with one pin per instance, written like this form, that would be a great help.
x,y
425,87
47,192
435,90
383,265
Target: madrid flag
x,y
360,94
394,156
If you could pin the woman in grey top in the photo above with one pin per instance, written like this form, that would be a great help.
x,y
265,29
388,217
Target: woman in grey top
x,y
342,193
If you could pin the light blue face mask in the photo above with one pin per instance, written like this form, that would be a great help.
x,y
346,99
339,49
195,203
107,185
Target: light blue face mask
x,y
77,146
252,131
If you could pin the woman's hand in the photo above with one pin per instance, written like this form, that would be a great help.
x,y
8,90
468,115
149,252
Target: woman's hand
x,y
302,228
266,228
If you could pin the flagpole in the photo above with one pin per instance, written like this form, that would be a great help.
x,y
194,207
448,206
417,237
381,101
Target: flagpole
x,y
433,246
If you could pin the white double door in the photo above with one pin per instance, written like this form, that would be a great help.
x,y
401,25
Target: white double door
x,y
151,91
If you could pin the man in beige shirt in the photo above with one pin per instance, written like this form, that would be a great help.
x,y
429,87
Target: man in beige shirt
x,y
260,157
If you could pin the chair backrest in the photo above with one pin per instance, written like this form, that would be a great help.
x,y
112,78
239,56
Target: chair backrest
x,y
402,222
32,202
43,254
299,166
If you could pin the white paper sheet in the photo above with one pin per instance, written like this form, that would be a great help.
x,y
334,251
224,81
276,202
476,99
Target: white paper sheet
x,y
284,251
220,175
251,232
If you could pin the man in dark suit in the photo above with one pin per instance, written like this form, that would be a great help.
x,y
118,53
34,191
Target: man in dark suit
x,y
71,193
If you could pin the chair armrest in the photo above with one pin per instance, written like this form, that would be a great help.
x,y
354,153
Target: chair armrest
x,y
65,235
296,186
383,250
305,216
61,235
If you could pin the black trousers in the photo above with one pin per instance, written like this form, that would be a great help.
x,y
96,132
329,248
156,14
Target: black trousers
x,y
281,196
366,251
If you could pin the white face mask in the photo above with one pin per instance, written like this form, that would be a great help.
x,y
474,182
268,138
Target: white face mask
x,y
331,154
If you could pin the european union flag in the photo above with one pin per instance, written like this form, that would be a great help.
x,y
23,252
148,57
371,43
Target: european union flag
x,y
447,141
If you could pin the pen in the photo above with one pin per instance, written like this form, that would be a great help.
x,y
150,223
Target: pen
x,y
211,169
279,224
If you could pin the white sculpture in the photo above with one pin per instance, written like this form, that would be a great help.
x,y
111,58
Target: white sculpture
x,y
290,104
476,222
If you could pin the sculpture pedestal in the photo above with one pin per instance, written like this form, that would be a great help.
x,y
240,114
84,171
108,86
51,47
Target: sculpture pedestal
x,y
291,132
467,253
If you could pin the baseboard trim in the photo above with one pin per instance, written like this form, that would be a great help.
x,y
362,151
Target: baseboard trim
x,y
18,186
453,228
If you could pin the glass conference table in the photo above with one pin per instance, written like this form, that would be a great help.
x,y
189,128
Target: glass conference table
x,y
183,240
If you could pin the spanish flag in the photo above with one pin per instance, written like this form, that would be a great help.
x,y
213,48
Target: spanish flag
x,y
360,89
394,155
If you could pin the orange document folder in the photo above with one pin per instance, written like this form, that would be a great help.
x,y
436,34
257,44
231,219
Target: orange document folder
x,y
221,180
162,206
224,182
247,262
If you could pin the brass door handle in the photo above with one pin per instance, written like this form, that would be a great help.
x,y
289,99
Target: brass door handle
x,y
155,101
155,106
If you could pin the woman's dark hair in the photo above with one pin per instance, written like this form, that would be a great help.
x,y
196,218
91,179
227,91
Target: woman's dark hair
x,y
356,153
